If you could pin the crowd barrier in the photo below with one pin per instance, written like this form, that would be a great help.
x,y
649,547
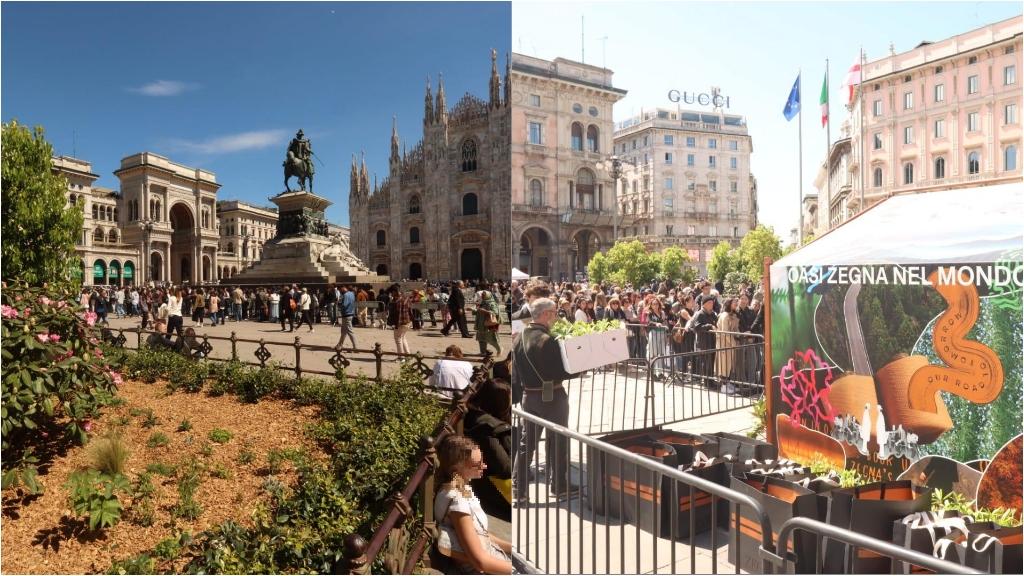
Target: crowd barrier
x,y
622,520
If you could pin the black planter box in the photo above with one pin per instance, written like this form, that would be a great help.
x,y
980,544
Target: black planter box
x,y
742,448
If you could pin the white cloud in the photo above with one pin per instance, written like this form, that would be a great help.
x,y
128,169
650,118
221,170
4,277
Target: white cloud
x,y
164,88
229,143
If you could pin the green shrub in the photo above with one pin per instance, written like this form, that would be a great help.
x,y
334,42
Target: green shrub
x,y
206,449
220,471
259,383
188,482
170,548
109,454
220,436
141,564
161,469
225,377
246,455
951,500
55,376
184,425
143,510
158,440
189,376
149,419
94,495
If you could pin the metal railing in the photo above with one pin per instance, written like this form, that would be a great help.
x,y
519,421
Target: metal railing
x,y
821,530
573,535
402,559
661,387
201,346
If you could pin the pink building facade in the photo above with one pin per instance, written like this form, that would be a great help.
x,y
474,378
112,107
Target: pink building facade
x,y
943,115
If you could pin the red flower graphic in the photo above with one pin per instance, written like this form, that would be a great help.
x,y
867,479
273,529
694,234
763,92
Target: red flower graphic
x,y
801,391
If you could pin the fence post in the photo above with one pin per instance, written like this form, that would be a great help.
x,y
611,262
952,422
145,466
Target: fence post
x,y
378,354
354,558
298,354
138,337
234,346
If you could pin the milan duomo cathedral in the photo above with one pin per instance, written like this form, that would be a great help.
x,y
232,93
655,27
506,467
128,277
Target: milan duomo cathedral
x,y
444,210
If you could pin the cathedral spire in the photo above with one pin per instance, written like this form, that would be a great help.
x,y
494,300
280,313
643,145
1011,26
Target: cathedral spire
x,y
441,108
353,179
364,179
508,78
495,84
394,139
428,104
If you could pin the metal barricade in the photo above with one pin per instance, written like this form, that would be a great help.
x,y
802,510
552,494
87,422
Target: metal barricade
x,y
657,386
821,530
571,535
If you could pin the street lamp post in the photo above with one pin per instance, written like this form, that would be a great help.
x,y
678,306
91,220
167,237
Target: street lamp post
x,y
147,228
616,169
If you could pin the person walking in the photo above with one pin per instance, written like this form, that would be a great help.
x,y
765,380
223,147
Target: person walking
x,y
400,316
537,362
174,319
199,307
347,311
143,308
456,307
275,302
288,306
304,308
236,303
487,323
213,303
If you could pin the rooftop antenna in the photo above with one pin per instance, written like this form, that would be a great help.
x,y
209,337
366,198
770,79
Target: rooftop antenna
x,y
583,57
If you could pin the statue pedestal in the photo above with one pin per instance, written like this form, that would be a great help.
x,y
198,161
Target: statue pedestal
x,y
297,252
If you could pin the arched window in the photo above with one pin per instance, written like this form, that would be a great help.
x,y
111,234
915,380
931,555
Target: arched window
x,y
115,215
592,138
469,205
469,155
877,181
95,212
414,235
97,235
231,248
112,237
382,238
1010,158
940,168
71,199
908,173
973,163
536,193
585,190
414,204
245,250
577,136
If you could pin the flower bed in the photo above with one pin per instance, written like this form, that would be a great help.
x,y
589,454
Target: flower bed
x,y
586,345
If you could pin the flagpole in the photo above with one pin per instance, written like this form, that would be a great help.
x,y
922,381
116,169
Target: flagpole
x,y
828,146
800,132
860,98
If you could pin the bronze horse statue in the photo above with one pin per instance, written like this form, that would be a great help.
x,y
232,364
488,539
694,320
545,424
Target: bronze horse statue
x,y
295,166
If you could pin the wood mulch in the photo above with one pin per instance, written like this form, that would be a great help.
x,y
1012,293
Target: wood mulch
x,y
41,535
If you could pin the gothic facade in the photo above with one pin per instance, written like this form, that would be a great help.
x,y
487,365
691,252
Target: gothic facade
x,y
443,212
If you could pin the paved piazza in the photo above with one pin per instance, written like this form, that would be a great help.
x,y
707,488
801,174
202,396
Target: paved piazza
x,y
427,341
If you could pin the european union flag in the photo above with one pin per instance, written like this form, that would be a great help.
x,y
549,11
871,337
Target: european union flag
x,y
793,103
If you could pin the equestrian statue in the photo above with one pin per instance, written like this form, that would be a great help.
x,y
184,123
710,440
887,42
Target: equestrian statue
x,y
299,162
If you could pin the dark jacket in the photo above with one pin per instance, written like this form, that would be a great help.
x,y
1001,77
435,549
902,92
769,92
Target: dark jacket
x,y
538,358
702,323
747,316
456,300
495,440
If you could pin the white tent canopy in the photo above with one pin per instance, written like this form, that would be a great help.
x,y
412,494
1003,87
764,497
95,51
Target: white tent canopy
x,y
518,274
968,225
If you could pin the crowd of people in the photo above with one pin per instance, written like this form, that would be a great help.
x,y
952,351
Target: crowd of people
x,y
164,308
668,323
687,332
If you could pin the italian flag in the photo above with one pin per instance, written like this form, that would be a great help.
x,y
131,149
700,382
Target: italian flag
x,y
824,101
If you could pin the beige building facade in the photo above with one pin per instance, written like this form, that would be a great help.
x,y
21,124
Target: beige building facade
x,y
244,229
563,195
943,115
686,180
443,210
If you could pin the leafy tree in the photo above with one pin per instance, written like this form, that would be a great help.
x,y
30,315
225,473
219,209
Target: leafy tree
x,y
733,280
629,262
39,230
675,264
597,269
759,243
724,259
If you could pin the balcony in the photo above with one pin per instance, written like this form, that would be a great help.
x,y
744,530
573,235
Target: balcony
x,y
701,215
534,209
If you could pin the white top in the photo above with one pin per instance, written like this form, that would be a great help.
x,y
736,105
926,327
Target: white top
x,y
304,301
450,500
581,316
451,375
275,298
173,306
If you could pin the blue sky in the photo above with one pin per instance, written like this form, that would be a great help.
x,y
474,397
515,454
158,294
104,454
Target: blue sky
x,y
224,86
752,50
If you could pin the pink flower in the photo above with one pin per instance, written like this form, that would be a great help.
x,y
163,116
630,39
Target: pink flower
x,y
54,337
116,377
44,338
8,311
90,318
26,312
44,434
99,353
87,426
44,300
